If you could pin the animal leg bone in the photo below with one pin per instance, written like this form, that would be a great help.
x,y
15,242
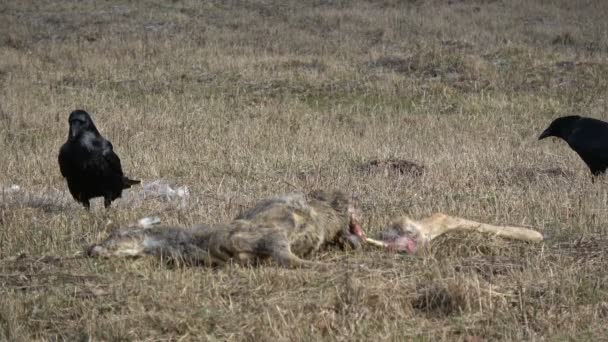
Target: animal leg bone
x,y
407,235
439,224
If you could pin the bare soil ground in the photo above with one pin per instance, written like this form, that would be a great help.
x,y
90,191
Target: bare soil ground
x,y
241,100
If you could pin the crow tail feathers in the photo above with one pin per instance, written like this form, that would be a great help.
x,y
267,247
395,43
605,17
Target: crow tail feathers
x,y
128,182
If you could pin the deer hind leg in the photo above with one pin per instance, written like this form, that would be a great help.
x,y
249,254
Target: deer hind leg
x,y
199,256
289,260
439,224
179,253
281,253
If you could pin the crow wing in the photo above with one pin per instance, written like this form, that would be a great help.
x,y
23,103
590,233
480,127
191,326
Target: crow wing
x,y
65,161
112,159
590,140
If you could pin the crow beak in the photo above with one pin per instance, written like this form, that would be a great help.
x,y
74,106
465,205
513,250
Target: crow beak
x,y
74,129
546,133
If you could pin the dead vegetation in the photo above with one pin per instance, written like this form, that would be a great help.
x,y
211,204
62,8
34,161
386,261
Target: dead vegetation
x,y
243,100
525,175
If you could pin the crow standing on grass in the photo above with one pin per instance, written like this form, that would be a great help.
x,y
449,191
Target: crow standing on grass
x,y
89,164
586,136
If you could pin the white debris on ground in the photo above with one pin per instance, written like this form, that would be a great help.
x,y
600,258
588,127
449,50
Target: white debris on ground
x,y
11,189
56,200
51,200
148,222
160,189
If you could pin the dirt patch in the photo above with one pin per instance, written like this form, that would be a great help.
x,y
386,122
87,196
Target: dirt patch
x,y
456,45
439,300
393,63
563,39
392,167
314,65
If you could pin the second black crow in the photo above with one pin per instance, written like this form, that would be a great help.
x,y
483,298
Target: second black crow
x,y
586,136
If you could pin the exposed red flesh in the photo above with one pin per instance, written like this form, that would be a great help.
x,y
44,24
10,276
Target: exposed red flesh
x,y
355,228
402,244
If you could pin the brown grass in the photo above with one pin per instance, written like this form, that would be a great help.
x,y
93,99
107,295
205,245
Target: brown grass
x,y
240,100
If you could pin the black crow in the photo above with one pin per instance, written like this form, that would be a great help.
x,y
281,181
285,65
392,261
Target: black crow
x,y
586,136
89,164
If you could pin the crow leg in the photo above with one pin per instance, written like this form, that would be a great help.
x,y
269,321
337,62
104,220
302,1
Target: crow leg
x,y
107,201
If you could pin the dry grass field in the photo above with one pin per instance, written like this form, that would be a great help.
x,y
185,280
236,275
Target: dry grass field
x,y
241,100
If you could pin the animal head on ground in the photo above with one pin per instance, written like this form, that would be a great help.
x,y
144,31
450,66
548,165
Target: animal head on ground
x,y
403,235
120,243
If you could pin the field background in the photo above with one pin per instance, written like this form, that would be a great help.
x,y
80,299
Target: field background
x,y
241,100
